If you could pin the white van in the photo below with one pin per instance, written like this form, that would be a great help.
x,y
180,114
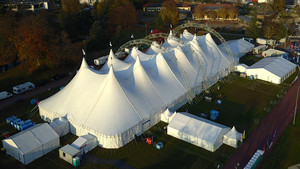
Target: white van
x,y
23,87
4,95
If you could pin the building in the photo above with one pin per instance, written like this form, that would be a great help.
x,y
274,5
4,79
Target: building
x,y
272,69
28,145
32,6
272,52
68,152
157,7
211,10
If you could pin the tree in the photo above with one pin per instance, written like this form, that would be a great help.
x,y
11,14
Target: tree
x,y
7,31
70,6
278,6
199,11
233,12
222,13
253,31
98,38
158,22
36,43
211,14
270,28
102,10
122,17
169,12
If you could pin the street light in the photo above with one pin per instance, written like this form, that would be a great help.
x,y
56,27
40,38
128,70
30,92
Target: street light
x,y
296,106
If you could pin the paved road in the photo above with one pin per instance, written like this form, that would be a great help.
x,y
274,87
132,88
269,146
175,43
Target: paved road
x,y
34,92
264,136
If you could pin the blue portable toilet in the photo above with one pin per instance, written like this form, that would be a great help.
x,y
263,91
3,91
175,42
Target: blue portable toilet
x,y
34,101
10,119
15,121
19,125
159,145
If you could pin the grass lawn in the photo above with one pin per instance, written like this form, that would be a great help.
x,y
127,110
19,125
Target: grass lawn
x,y
249,59
286,151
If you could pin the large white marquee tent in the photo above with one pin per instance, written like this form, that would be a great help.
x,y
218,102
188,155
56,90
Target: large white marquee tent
x,y
272,69
198,131
32,143
125,98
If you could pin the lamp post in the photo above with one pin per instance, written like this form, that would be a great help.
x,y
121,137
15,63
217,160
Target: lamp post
x,y
296,106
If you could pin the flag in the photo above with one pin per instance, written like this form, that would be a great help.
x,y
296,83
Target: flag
x,y
132,36
83,52
170,25
244,134
110,44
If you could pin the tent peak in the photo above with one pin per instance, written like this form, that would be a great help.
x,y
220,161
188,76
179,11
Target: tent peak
x,y
84,65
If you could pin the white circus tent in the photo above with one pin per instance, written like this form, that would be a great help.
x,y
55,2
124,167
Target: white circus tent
x,y
125,98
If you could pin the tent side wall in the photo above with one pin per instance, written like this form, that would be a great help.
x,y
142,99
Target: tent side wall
x,y
51,145
219,140
120,140
12,150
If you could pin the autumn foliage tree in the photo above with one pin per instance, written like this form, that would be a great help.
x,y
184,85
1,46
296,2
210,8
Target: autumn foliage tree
x,y
169,12
7,31
123,15
199,12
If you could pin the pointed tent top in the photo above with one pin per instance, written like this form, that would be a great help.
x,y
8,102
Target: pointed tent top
x,y
137,61
111,54
195,37
111,72
84,65
134,51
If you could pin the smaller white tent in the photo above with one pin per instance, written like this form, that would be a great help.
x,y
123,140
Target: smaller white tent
x,y
167,116
196,130
238,47
32,143
272,69
232,137
61,126
241,68
85,143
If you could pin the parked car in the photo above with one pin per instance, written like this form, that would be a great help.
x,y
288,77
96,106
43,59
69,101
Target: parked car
x,y
4,95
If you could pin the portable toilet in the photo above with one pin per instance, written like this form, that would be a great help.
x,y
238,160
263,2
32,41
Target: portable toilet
x,y
159,145
76,161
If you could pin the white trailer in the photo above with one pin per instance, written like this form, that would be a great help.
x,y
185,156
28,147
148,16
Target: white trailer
x,y
101,60
259,49
4,95
23,87
261,41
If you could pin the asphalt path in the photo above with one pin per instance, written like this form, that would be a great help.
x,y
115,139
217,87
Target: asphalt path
x,y
268,131
29,94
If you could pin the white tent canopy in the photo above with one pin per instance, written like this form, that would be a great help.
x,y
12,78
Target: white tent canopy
x,y
232,137
61,126
272,69
85,143
126,98
32,143
238,47
196,130
167,116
